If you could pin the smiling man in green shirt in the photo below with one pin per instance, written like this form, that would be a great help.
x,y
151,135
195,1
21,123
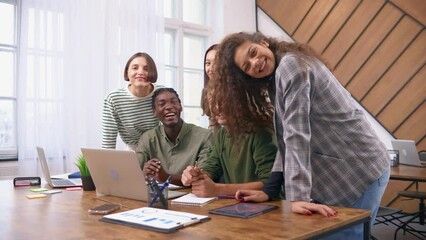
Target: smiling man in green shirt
x,y
168,149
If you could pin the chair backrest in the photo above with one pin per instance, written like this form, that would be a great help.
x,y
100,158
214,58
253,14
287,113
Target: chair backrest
x,y
422,155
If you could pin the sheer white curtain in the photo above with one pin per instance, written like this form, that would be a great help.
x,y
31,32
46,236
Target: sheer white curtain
x,y
72,53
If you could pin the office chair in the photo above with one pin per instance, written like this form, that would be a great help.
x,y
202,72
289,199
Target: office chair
x,y
387,215
420,230
422,155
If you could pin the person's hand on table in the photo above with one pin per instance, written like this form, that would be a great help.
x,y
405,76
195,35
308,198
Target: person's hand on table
x,y
204,186
251,195
307,208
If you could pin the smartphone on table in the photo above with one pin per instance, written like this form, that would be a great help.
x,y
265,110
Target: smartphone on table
x,y
104,209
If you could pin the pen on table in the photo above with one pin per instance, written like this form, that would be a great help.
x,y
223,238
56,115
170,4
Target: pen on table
x,y
196,220
225,196
230,196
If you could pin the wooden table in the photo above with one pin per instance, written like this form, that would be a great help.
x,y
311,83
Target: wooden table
x,y
408,173
412,174
64,216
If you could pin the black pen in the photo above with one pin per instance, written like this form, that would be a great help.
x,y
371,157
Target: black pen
x,y
230,196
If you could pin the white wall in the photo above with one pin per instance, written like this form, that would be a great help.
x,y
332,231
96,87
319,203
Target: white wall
x,y
238,16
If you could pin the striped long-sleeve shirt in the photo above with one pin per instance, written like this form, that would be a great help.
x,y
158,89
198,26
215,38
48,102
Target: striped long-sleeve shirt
x,y
128,115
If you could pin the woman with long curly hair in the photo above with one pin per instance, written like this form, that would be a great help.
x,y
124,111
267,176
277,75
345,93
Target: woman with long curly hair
x,y
232,164
327,151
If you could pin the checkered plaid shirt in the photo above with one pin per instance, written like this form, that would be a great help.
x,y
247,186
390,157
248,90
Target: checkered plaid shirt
x,y
329,151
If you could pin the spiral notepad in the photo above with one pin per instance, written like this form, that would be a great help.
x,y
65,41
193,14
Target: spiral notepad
x,y
192,200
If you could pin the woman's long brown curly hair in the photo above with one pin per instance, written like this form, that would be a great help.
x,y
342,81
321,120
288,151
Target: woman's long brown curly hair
x,y
242,99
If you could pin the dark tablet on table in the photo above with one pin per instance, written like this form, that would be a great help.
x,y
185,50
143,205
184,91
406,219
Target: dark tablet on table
x,y
243,210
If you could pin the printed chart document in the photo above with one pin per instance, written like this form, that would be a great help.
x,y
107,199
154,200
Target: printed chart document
x,y
192,200
155,219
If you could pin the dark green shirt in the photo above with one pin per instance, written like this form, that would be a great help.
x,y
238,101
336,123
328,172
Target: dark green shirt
x,y
251,161
192,143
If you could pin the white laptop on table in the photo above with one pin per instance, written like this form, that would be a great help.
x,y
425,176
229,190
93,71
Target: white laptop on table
x,y
407,153
118,173
54,182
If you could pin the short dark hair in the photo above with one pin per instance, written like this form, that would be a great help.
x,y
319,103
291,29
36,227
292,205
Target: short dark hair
x,y
161,90
152,68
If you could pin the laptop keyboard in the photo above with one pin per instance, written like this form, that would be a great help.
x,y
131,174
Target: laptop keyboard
x,y
62,182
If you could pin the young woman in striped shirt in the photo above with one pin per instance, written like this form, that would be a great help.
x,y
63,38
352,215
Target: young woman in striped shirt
x,y
127,111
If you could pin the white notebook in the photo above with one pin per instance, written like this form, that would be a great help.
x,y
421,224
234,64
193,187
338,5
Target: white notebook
x,y
192,200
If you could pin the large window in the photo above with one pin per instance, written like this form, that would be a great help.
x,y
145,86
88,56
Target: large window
x,y
33,37
187,36
8,76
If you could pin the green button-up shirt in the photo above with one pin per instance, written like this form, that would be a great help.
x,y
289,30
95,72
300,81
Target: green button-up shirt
x,y
250,161
192,143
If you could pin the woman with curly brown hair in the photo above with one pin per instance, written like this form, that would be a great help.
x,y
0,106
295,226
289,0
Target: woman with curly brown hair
x,y
327,150
232,164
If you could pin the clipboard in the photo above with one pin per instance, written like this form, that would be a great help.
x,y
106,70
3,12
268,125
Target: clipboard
x,y
243,210
160,220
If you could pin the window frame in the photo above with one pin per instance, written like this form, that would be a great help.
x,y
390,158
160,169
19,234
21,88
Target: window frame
x,y
180,29
12,153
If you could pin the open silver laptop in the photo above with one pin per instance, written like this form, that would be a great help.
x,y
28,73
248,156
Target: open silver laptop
x,y
407,153
118,173
54,182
